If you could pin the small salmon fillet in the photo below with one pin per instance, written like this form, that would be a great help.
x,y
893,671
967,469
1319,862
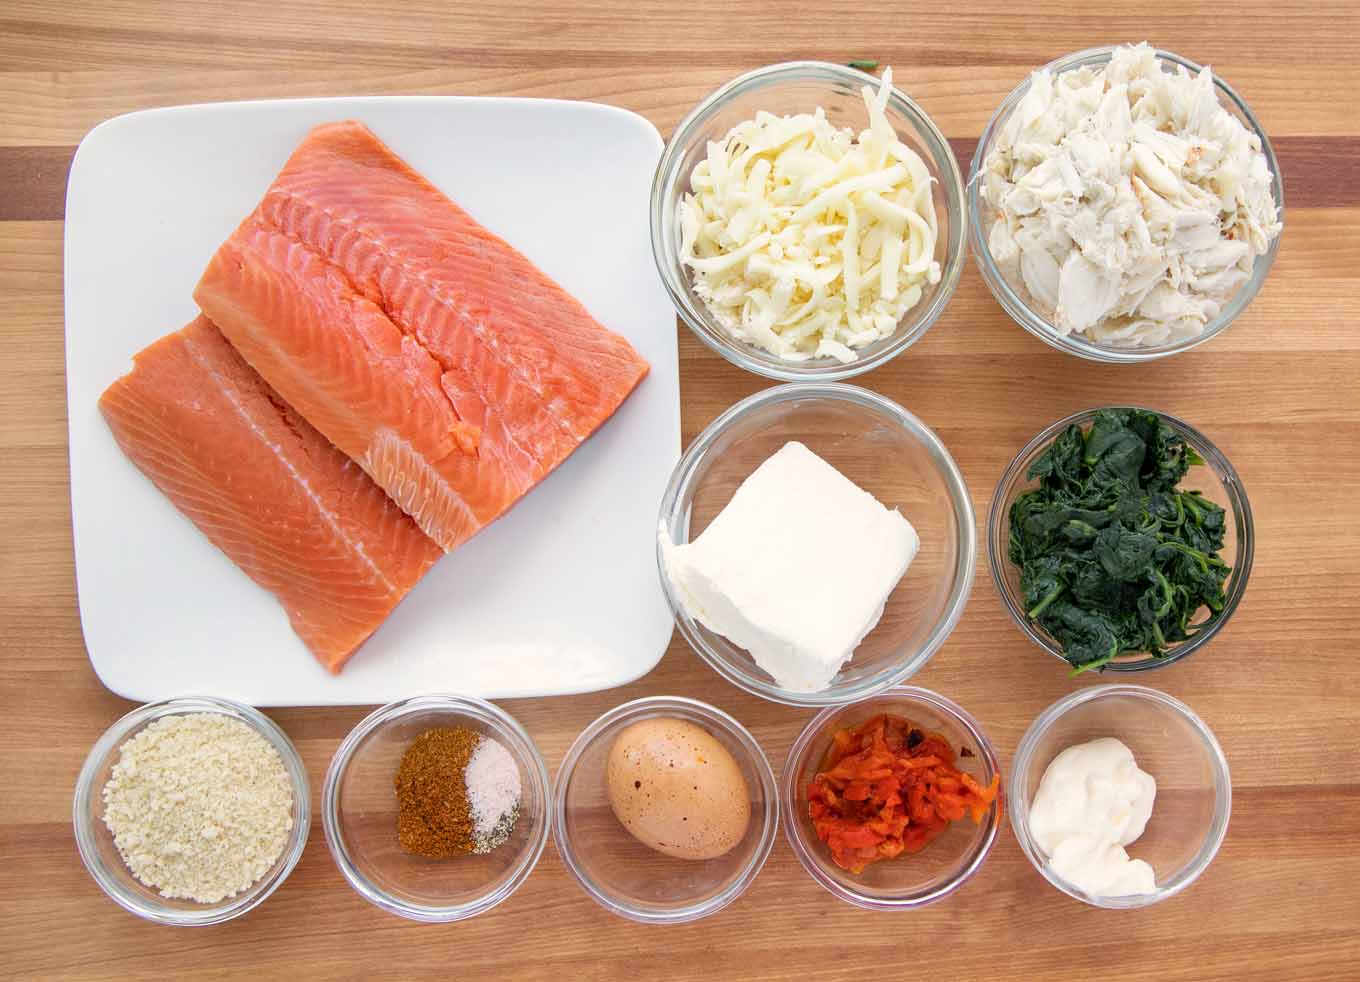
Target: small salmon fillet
x,y
297,515
429,350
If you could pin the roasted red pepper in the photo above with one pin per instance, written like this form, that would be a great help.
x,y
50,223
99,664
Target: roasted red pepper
x,y
889,787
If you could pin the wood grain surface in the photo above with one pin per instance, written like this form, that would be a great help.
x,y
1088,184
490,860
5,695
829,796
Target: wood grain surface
x,y
1279,393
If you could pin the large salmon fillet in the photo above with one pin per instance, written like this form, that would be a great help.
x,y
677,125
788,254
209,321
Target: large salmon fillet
x,y
427,349
293,512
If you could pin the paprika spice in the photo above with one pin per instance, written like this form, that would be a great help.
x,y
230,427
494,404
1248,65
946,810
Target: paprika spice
x,y
434,818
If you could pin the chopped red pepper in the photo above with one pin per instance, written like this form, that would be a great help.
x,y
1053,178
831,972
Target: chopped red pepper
x,y
889,787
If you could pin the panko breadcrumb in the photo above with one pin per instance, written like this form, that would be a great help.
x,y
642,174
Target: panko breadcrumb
x,y
200,806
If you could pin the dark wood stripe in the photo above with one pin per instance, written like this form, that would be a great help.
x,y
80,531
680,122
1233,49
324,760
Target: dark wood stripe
x,y
34,183
964,147
1319,172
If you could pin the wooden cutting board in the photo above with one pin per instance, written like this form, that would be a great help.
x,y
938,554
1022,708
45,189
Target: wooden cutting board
x,y
1279,393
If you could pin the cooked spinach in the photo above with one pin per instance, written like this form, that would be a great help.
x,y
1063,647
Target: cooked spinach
x,y
1113,558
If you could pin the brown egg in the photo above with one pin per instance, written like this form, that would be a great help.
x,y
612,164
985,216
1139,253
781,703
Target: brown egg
x,y
677,789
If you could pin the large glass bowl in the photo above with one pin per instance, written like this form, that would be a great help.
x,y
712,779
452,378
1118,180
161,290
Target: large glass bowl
x,y
95,841
905,882
359,810
1216,478
786,89
1013,297
1194,790
886,451
620,873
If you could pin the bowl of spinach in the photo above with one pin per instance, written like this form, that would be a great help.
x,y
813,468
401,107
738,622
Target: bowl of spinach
x,y
1120,539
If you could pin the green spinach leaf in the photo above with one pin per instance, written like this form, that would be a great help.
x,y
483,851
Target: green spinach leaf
x,y
1113,557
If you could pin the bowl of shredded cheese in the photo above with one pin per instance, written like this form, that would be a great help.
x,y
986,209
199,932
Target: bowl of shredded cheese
x,y
1124,204
807,221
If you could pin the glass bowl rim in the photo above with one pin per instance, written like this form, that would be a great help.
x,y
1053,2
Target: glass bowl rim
x,y
1019,809
506,728
684,476
803,850
697,711
1238,507
134,721
945,169
1023,314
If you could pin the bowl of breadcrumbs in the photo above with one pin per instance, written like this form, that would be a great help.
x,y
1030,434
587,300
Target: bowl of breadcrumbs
x,y
192,811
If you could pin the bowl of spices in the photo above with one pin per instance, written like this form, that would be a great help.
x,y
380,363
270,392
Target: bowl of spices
x,y
1120,795
435,807
1120,540
191,811
664,810
893,802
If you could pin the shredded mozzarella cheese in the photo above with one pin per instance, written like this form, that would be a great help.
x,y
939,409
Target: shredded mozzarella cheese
x,y
806,240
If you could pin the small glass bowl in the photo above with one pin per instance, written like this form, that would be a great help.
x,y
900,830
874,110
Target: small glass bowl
x,y
1194,791
1216,478
359,811
886,451
907,881
1011,298
620,873
784,89
101,856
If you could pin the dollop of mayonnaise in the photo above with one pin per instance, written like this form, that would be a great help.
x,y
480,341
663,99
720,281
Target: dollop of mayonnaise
x,y
1092,802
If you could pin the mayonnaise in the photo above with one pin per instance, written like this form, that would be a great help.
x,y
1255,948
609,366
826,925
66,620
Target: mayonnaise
x,y
1092,802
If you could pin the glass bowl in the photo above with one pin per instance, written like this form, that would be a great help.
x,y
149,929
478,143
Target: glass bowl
x,y
101,856
784,89
1194,791
886,451
907,881
359,810
1013,301
1215,478
631,879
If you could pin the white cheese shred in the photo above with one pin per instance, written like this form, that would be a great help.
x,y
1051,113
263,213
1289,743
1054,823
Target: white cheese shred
x,y
806,240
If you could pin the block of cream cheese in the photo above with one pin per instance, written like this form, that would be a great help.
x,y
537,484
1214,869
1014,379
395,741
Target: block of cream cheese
x,y
796,569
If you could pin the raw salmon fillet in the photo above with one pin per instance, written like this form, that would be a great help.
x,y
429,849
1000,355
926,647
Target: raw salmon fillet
x,y
427,349
271,492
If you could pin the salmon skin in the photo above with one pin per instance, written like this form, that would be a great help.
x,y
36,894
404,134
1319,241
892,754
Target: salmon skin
x,y
271,492
426,348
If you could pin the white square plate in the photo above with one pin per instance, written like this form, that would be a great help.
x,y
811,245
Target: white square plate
x,y
559,596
